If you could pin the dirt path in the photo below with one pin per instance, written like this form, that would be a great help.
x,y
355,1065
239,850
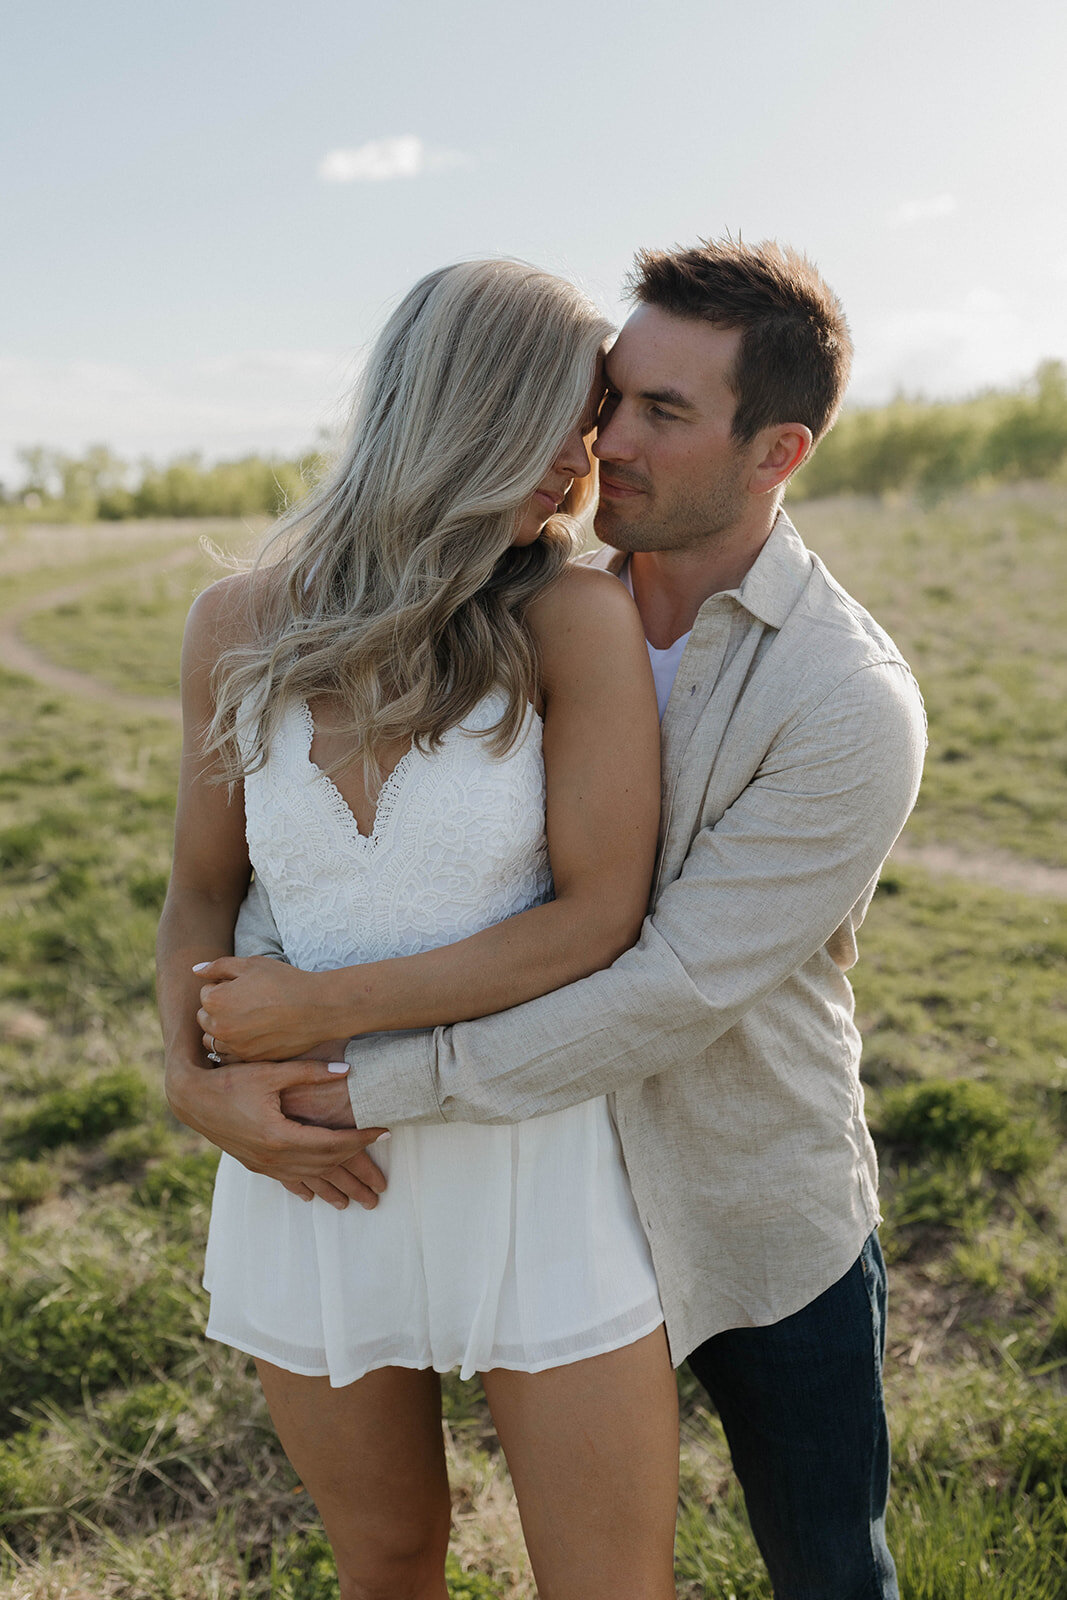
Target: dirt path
x,y
995,869
18,656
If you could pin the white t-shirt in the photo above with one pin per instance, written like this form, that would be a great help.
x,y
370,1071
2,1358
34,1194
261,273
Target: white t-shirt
x,y
664,662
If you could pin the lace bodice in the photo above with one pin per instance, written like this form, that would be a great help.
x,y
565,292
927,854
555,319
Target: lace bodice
x,y
458,844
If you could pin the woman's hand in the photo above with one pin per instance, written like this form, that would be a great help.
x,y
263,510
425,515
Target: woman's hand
x,y
289,1120
257,1009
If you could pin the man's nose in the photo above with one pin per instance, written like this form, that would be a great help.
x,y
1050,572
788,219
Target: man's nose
x,y
611,442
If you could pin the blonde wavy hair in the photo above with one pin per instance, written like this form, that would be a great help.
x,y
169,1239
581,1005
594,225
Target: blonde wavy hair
x,y
395,585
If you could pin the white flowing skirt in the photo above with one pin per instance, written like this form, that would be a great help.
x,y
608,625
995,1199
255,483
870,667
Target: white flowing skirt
x,y
498,1246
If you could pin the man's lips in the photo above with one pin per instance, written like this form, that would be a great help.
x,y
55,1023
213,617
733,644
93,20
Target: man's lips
x,y
613,490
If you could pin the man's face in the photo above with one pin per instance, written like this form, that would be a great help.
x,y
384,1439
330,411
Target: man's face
x,y
671,475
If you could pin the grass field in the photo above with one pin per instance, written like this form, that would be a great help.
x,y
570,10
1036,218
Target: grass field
x,y
136,1460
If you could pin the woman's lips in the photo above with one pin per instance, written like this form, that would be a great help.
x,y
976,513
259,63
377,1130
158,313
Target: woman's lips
x,y
546,500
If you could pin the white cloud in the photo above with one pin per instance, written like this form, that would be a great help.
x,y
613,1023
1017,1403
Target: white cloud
x,y
911,212
384,159
252,402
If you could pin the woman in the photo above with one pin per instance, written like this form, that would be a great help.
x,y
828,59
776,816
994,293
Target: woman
x,y
402,726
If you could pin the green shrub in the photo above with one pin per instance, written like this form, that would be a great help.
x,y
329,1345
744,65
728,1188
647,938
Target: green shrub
x,y
82,1113
93,1461
26,1183
982,1263
86,1328
468,1585
20,845
100,485
960,1118
23,844
91,943
305,1569
1050,1344
147,1416
126,1150
24,1479
69,882
1035,1450
935,446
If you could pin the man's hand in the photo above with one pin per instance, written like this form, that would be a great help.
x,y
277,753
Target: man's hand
x,y
240,1110
259,1009
327,1105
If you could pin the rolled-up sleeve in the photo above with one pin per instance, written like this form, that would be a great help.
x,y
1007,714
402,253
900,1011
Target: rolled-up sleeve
x,y
760,892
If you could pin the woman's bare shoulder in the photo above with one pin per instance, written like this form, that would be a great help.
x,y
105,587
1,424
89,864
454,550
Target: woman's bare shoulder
x,y
227,612
585,612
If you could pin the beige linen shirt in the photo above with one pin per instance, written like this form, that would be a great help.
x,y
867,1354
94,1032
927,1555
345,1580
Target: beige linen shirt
x,y
792,748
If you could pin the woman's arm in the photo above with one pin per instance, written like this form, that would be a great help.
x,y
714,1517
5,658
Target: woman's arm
x,y
601,750
210,870
240,1111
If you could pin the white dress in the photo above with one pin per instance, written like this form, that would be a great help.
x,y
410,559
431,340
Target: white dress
x,y
493,1246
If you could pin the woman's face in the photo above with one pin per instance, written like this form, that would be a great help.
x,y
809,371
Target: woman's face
x,y
572,461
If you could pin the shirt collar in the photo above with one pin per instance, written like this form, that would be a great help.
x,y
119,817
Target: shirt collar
x,y
772,585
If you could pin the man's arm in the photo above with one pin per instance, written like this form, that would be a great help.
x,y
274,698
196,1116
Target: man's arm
x,y
759,894
256,932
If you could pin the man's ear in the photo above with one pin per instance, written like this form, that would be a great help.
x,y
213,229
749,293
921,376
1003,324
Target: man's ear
x,y
779,452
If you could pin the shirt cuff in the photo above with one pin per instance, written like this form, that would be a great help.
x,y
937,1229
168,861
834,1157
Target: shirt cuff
x,y
392,1079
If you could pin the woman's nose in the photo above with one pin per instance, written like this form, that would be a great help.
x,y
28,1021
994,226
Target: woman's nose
x,y
573,459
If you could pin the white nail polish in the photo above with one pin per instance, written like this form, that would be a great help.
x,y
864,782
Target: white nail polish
x,y
201,965
382,1138
337,1066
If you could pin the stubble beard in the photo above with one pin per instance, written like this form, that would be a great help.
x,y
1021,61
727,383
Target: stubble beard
x,y
692,523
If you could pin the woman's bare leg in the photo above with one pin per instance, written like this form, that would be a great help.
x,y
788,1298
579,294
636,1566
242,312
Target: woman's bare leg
x,y
593,1452
371,1456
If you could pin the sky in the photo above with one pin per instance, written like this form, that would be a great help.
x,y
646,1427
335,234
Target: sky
x,y
208,207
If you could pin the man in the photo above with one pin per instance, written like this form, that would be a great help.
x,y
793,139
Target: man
x,y
792,745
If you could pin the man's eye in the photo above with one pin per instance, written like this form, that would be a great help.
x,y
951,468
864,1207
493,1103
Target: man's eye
x,y
665,416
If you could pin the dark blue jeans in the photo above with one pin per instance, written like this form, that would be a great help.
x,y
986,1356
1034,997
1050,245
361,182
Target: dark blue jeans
x,y
801,1404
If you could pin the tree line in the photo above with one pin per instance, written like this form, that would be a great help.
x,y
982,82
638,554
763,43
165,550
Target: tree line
x,y
910,445
99,485
930,447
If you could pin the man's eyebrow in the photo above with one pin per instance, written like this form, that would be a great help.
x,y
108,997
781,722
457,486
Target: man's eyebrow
x,y
660,397
669,397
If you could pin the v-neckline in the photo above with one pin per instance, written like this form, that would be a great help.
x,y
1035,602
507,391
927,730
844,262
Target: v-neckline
x,y
384,805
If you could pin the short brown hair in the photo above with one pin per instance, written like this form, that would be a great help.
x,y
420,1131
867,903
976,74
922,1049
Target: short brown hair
x,y
795,353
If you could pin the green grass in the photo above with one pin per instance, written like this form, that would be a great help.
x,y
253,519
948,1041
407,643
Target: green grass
x,y
137,1460
959,980
128,634
971,591
36,559
79,1114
